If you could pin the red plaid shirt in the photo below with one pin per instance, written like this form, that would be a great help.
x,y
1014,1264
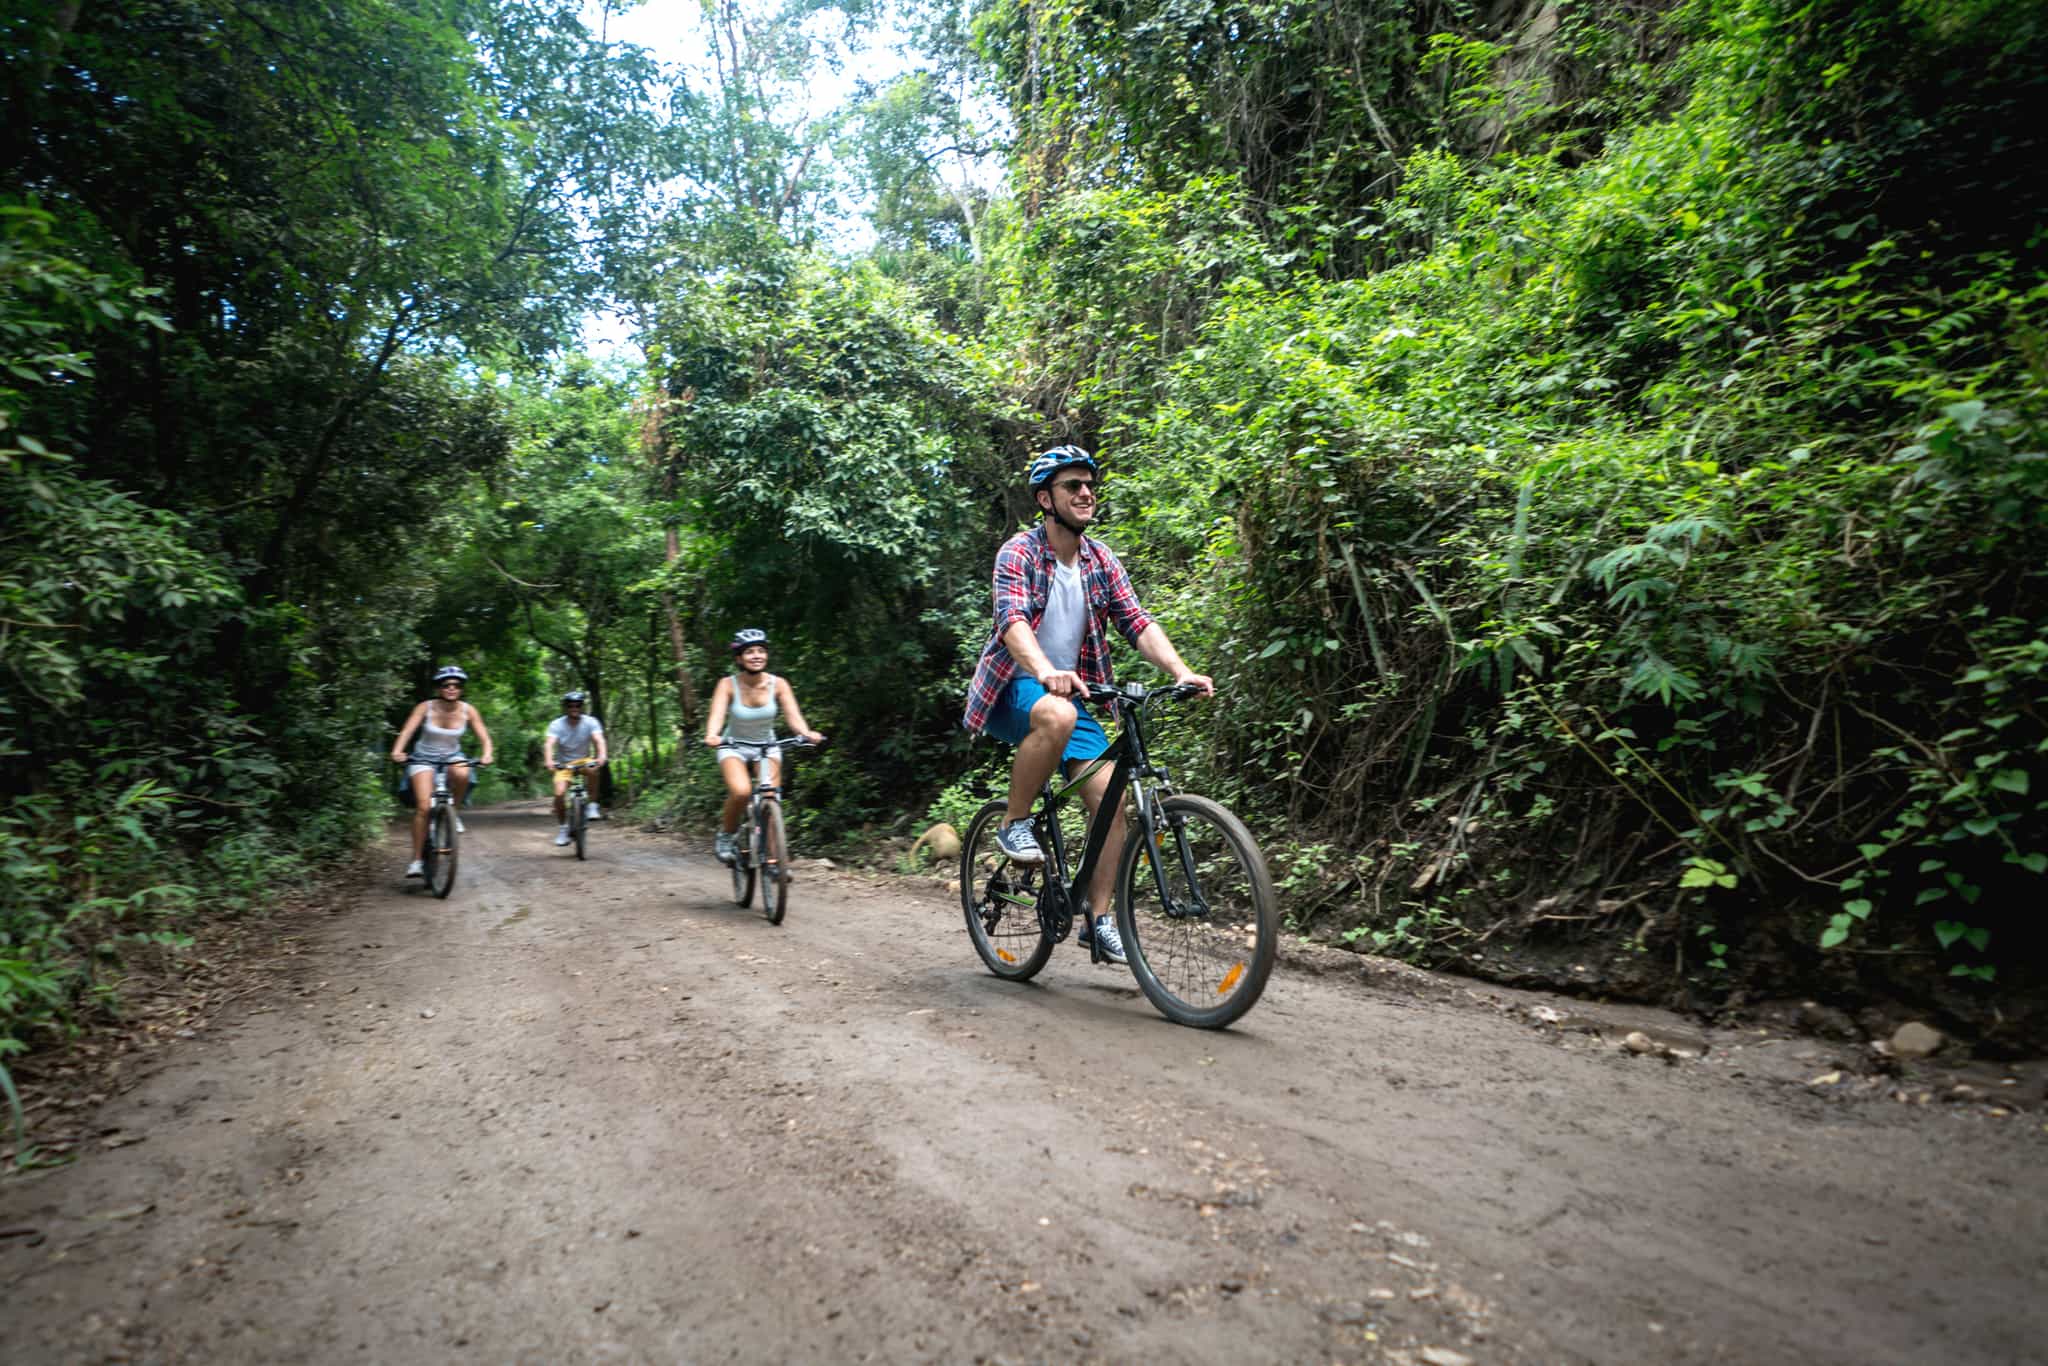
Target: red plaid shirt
x,y
1023,582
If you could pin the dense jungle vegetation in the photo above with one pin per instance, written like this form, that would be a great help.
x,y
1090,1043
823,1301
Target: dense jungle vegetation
x,y
1598,448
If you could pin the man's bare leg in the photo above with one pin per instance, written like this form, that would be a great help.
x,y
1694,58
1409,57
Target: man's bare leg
x,y
1052,725
1099,886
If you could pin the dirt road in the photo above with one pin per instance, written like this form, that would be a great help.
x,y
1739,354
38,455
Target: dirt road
x,y
594,1112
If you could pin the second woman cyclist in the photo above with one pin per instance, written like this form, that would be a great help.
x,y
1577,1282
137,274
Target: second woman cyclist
x,y
741,725
441,722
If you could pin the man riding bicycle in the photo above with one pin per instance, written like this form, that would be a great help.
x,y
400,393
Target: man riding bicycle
x,y
572,736
1054,588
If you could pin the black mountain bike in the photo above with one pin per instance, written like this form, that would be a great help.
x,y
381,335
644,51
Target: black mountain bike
x,y
1194,901
760,845
437,860
578,798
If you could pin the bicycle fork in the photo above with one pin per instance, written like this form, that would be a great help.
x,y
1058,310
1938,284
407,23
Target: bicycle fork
x,y
444,802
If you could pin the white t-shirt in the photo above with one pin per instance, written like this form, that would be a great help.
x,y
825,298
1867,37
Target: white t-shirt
x,y
1066,613
574,742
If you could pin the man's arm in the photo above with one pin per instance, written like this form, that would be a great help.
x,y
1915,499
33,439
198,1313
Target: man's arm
x,y
603,753
1022,643
547,749
1013,624
1153,644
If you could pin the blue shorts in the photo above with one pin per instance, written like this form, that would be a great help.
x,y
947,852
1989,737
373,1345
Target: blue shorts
x,y
1010,720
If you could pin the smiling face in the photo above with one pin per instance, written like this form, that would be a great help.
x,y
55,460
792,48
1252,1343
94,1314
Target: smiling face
x,y
1070,495
449,690
754,658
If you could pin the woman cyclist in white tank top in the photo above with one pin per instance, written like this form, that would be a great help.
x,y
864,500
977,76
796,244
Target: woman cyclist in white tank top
x,y
742,722
441,722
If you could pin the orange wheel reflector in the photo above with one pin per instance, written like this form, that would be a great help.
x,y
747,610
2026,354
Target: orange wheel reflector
x,y
1005,955
1230,978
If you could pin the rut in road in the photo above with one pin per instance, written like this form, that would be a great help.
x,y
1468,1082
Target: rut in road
x,y
593,1111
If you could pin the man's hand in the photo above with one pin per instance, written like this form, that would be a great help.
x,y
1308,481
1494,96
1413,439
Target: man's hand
x,y
1063,683
1202,681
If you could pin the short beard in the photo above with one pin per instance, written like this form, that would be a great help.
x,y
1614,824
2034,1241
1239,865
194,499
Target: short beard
x,y
1054,513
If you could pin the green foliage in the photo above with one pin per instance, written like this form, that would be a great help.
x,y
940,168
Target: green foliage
x,y
1650,520
823,444
1598,449
248,254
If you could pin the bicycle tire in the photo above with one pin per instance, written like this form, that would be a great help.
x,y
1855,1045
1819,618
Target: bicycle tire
x,y
742,865
1000,901
579,822
1202,971
774,863
441,852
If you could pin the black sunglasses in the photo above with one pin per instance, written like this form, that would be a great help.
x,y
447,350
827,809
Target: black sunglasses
x,y
1073,486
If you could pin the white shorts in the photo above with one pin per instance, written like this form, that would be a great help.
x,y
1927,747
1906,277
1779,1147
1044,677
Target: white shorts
x,y
411,769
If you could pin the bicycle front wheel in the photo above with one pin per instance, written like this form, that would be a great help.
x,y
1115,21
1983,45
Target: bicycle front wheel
x,y
1000,899
579,821
774,863
441,851
1202,944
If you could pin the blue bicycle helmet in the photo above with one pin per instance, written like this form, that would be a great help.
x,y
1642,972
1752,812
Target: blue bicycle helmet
x,y
1049,463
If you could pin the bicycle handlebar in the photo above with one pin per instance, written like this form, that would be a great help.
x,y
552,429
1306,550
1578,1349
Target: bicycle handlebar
x,y
1138,694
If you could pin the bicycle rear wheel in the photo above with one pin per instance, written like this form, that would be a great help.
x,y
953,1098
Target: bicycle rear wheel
x,y
579,820
1000,899
441,851
774,863
743,865
1203,945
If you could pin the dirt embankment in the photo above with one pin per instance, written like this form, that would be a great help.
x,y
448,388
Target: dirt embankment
x,y
593,1111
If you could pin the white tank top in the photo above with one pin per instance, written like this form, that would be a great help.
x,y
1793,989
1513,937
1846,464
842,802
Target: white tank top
x,y
440,742
751,725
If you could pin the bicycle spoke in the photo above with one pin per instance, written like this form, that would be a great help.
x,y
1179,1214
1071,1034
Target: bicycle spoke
x,y
1201,944
1000,900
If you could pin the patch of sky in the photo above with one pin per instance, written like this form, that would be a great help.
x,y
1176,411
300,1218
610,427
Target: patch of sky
x,y
854,51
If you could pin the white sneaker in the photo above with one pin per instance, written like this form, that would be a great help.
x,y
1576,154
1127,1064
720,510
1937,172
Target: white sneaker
x,y
417,868
724,847
562,835
592,813
460,828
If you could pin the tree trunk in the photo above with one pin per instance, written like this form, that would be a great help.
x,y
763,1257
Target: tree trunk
x,y
654,440
654,691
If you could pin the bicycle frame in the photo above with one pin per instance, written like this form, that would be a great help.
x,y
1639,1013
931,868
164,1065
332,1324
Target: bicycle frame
x,y
764,789
1132,769
444,795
